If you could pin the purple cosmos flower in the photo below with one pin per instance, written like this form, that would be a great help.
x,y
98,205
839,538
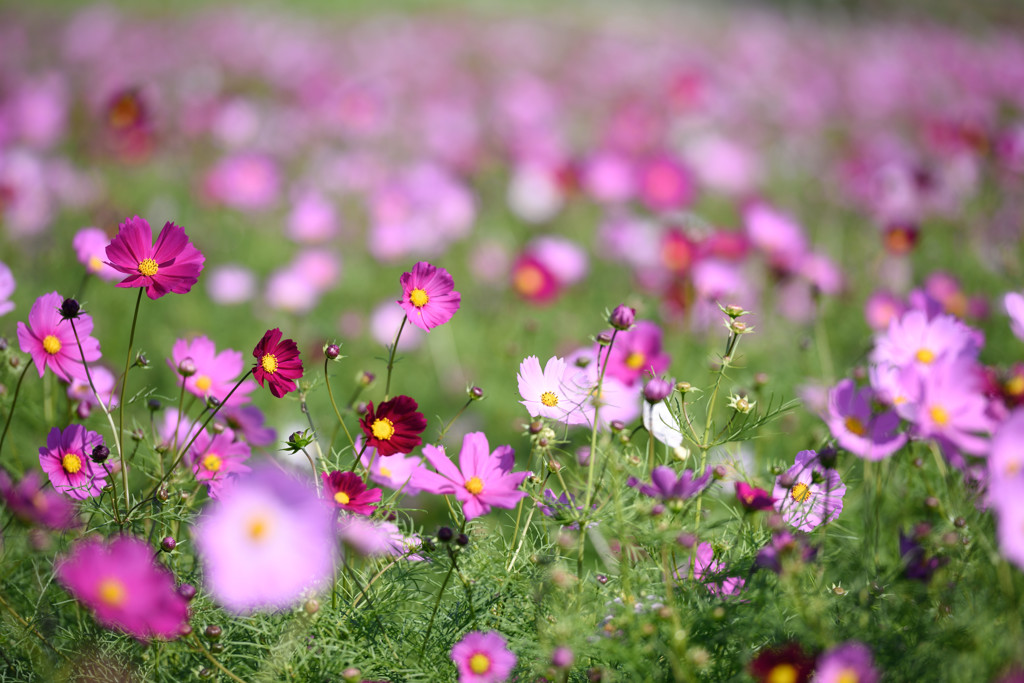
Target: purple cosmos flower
x,y
483,658
637,352
249,423
846,663
707,569
918,564
266,540
170,265
808,494
850,418
428,298
483,479
215,373
562,509
554,393
33,503
65,459
784,545
215,459
673,489
50,340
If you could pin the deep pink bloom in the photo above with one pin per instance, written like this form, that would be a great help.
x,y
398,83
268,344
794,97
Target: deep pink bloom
x,y
483,658
428,296
215,459
277,362
533,281
34,503
637,352
856,428
50,340
482,479
1014,303
809,494
65,459
844,663
125,588
7,285
215,373
170,265
664,184
393,426
673,489
753,498
348,492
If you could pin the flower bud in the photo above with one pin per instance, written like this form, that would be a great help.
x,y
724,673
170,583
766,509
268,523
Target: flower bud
x,y
351,675
462,539
476,393
185,630
604,339
617,426
187,367
365,379
100,453
601,579
445,534
69,309
719,472
141,360
536,426
562,657
657,509
332,351
213,632
311,606
154,405
687,540
4,343
15,362
162,494
657,390
622,318
168,544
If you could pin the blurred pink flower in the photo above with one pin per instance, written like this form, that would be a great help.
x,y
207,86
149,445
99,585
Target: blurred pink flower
x,y
215,373
483,657
90,246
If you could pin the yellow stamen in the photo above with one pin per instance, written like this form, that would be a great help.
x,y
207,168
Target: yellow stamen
x,y
1015,386
474,485
112,592
384,471
258,528
939,415
203,383
51,344
925,356
635,360
528,280
783,673
479,663
383,428
95,264
148,267
418,298
342,498
848,676
549,398
71,462
855,426
212,462
800,492
269,362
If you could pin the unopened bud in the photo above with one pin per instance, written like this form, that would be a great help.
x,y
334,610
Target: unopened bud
x,y
69,309
462,539
365,379
332,351
604,339
168,544
476,393
622,318
100,453
187,367
154,404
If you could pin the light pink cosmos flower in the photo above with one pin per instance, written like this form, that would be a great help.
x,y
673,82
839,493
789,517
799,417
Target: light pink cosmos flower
x,y
216,373
65,459
483,658
230,284
618,400
124,587
915,339
482,479
554,393
776,234
706,570
51,341
215,459
395,471
106,385
809,494
1008,505
1006,457
1014,303
266,540
246,181
172,264
950,406
175,431
855,426
428,298
6,289
90,246
846,663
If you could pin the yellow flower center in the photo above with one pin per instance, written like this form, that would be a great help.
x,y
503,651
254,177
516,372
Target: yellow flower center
x,y
212,462
800,492
203,383
269,363
341,498
257,528
1015,386
549,398
95,264
418,298
855,426
382,428
384,471
635,360
479,663
925,356
112,592
939,415
51,344
782,673
474,485
848,676
528,280
148,267
71,462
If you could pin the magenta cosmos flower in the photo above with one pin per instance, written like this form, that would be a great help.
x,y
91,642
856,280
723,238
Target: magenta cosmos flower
x,y
170,265
266,540
483,658
557,392
393,426
277,362
847,663
637,352
809,494
482,479
124,587
34,503
50,340
856,427
428,296
215,373
349,492
65,459
706,569
215,459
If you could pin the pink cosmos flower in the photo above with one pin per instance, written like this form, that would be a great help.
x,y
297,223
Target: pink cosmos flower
x,y
706,570
370,538
124,587
617,401
6,289
950,406
277,363
483,657
170,265
482,479
216,373
1014,303
106,386
174,431
247,422
245,181
809,494
1008,505
1006,458
90,246
266,540
230,284
915,339
664,184
671,488
51,341
65,458
348,492
395,471
637,352
554,393
856,428
34,503
533,281
428,296
215,459
844,663
776,234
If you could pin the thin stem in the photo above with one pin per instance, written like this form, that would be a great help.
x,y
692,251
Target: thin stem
x,y
437,605
31,628
391,359
213,660
330,394
312,465
120,406
14,402
448,426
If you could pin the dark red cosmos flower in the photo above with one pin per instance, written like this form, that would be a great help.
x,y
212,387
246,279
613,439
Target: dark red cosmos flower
x,y
277,362
394,427
349,492
753,498
170,265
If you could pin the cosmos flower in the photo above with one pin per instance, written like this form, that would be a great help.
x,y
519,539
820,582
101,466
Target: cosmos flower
x,y
215,373
170,265
916,339
1014,304
950,406
670,488
247,422
753,498
394,426
786,663
813,496
428,298
482,479
850,662
7,285
90,246
266,540
277,362
50,340
348,492
124,587
856,428
554,393
215,459
483,657
33,503
637,352
395,472
661,423
106,386
707,569
65,459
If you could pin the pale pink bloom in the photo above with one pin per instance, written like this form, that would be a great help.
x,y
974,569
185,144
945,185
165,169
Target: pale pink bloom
x,y
230,284
483,658
215,373
90,246
312,219
555,392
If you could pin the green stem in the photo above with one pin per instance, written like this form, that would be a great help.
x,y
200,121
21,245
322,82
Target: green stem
x,y
120,406
448,426
391,359
437,605
330,394
214,661
14,402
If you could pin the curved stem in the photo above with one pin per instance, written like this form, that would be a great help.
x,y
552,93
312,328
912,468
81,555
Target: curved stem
x,y
14,402
330,394
213,660
391,359
120,405
452,421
